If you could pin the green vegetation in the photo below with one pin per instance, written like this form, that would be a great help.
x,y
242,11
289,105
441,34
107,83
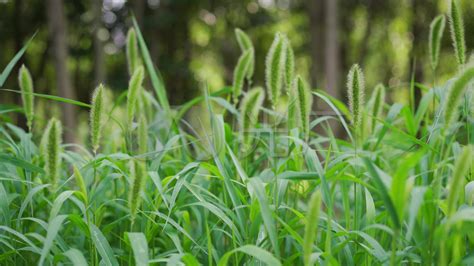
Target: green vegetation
x,y
259,185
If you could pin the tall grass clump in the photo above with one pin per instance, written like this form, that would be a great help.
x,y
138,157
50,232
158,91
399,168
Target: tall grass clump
x,y
96,115
356,94
457,32
275,68
398,193
26,86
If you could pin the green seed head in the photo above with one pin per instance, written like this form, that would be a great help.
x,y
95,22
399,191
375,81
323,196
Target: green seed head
x,y
137,178
436,34
134,87
356,90
246,44
142,135
249,109
461,168
26,86
303,100
457,32
377,100
96,117
52,151
275,68
240,71
133,58
456,92
289,66
311,227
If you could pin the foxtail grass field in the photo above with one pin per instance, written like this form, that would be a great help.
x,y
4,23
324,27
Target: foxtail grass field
x,y
264,181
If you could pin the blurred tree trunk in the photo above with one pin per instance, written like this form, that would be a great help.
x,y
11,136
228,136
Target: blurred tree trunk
x,y
332,53
19,38
316,23
58,32
99,67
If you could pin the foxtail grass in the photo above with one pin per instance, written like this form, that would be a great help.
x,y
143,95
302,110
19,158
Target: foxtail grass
x,y
96,115
26,86
275,68
356,94
133,57
240,72
134,88
436,35
457,32
52,151
245,44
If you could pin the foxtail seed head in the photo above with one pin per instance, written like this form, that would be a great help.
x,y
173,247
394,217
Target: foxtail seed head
x,y
52,151
303,102
240,71
275,68
455,94
311,227
289,65
356,90
249,109
436,34
246,44
461,168
377,101
96,117
26,86
457,32
133,58
134,87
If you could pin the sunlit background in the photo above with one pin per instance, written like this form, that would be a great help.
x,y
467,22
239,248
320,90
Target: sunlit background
x,y
192,42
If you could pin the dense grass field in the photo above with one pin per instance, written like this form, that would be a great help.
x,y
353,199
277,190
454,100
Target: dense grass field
x,y
264,181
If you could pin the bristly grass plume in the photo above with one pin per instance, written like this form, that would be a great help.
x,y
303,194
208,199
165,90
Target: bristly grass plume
x,y
26,86
240,71
356,94
133,57
436,34
134,88
456,92
303,104
96,115
457,32
245,44
275,68
249,109
52,151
